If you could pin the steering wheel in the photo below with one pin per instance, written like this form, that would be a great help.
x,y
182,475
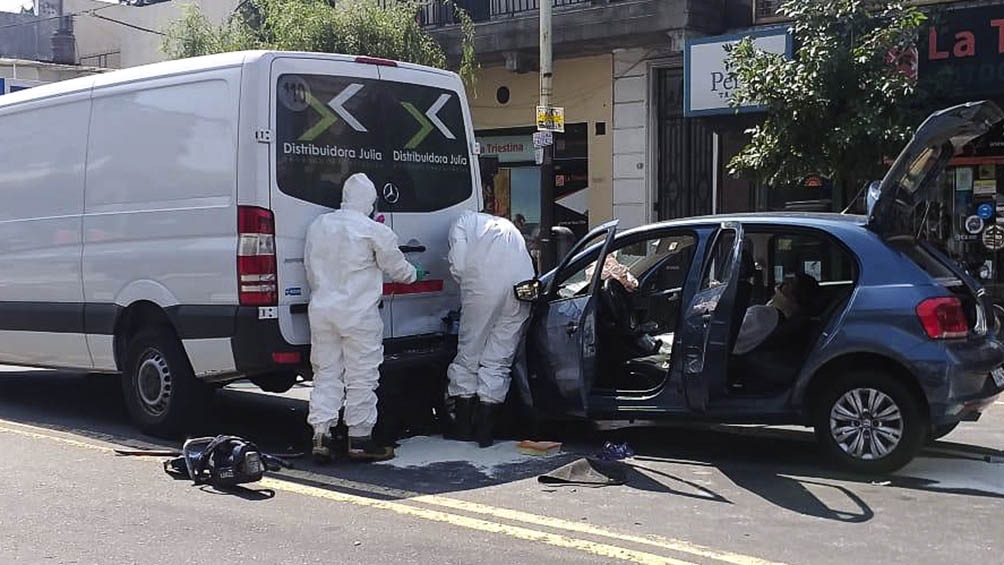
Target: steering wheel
x,y
616,306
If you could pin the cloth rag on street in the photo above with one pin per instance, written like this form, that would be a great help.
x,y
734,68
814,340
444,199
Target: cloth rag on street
x,y
346,256
587,473
488,257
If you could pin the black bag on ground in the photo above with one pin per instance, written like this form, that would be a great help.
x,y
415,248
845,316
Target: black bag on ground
x,y
222,461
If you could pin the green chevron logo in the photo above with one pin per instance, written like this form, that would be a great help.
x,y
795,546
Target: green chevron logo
x,y
428,121
331,112
328,119
422,133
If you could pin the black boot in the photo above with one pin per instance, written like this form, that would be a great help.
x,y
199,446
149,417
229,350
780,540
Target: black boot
x,y
463,422
484,430
365,449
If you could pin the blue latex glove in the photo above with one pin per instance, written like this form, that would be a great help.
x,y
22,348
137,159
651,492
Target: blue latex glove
x,y
420,272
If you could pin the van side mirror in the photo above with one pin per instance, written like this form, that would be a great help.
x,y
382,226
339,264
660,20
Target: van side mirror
x,y
528,291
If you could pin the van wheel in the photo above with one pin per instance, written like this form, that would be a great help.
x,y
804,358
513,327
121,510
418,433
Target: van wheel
x,y
161,392
868,422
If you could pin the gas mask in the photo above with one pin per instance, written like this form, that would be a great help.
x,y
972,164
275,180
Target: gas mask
x,y
222,461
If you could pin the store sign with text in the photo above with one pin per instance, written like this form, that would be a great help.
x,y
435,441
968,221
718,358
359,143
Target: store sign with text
x,y
508,148
962,52
708,86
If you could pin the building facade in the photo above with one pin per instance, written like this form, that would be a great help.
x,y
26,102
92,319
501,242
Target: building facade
x,y
628,152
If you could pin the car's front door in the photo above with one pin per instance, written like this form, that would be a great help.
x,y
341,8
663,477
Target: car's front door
x,y
569,340
705,329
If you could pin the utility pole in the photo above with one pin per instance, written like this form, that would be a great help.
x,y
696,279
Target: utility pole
x,y
547,251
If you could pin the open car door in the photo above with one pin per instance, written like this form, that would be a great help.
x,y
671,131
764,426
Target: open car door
x,y
566,335
708,317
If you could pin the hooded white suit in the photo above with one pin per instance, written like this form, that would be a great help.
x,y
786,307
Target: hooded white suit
x,y
488,256
346,255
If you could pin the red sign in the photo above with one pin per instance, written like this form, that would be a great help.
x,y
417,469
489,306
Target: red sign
x,y
420,287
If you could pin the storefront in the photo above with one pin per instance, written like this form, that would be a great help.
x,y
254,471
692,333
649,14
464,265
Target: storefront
x,y
962,59
512,188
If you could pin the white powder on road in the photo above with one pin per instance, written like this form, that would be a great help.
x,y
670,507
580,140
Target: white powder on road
x,y
956,474
422,451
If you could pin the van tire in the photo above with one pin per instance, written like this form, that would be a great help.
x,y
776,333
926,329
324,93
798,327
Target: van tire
x,y
162,394
898,413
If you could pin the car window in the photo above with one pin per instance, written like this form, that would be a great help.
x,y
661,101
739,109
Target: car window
x,y
720,260
641,256
815,255
424,163
575,279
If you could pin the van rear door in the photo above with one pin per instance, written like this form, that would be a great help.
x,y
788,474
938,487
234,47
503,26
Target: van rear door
x,y
327,119
429,179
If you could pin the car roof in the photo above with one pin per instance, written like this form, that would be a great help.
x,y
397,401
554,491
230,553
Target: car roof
x,y
827,221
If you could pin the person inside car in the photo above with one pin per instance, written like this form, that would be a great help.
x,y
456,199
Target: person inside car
x,y
614,269
773,337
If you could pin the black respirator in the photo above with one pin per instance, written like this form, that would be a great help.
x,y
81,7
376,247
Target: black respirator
x,y
222,461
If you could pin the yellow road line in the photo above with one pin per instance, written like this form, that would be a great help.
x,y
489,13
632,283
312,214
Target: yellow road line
x,y
544,521
599,549
35,432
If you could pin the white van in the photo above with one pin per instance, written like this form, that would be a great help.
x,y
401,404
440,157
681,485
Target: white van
x,y
153,218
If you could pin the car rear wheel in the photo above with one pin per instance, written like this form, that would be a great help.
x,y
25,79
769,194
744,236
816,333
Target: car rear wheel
x,y
869,422
163,396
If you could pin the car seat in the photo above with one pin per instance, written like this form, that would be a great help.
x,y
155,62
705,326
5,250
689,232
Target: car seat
x,y
744,295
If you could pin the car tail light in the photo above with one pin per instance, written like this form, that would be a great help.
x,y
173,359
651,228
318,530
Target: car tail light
x,y
943,318
286,357
257,282
376,61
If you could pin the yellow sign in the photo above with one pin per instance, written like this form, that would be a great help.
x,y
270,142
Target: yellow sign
x,y
551,119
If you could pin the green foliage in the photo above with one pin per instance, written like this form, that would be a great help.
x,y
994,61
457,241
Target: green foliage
x,y
844,102
386,29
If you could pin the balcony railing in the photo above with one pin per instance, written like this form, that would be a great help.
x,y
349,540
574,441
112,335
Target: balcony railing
x,y
437,14
765,11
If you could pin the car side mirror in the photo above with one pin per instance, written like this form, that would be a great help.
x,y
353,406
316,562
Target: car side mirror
x,y
872,196
528,291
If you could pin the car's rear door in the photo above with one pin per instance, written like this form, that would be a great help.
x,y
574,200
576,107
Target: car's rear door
x,y
428,179
706,323
326,115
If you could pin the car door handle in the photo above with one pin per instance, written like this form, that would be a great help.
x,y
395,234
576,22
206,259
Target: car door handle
x,y
572,327
412,248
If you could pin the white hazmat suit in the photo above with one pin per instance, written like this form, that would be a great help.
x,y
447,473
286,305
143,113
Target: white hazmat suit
x,y
346,255
488,256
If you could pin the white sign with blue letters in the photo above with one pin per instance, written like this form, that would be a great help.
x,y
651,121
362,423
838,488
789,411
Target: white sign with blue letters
x,y
707,85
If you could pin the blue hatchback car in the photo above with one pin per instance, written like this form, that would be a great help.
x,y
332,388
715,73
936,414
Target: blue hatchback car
x,y
848,324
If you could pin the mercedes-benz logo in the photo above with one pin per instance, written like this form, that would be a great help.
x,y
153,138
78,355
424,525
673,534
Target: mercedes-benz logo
x,y
391,194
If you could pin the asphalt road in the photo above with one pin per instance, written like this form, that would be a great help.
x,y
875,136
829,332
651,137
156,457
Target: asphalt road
x,y
739,495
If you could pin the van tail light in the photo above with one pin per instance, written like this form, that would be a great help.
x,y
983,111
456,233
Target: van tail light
x,y
943,318
257,282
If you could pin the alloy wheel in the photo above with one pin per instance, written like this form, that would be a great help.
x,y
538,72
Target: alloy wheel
x,y
866,423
